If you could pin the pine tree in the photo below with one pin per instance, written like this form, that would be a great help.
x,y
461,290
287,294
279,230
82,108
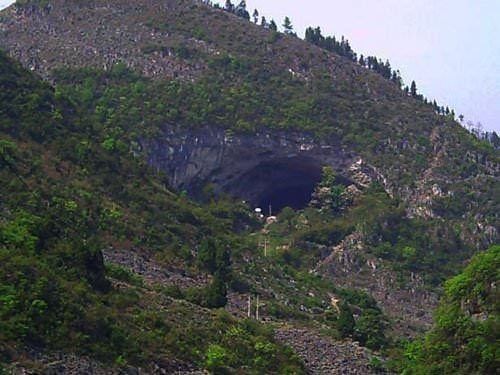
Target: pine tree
x,y
229,6
362,60
263,22
273,26
396,78
241,10
413,89
287,25
314,36
255,16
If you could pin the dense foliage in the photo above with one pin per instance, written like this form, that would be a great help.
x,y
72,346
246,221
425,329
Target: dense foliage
x,y
465,338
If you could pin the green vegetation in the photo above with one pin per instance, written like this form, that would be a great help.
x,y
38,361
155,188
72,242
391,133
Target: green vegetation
x,y
76,183
465,337
71,189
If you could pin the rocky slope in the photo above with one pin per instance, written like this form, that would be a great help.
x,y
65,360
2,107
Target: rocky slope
x,y
322,356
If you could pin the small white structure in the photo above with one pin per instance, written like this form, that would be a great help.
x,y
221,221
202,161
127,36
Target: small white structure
x,y
271,220
258,213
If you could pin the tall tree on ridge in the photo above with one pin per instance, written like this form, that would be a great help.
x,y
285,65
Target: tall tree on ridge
x,y
287,25
229,6
255,16
273,26
413,89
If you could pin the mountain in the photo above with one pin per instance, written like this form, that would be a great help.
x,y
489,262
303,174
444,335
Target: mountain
x,y
200,66
135,167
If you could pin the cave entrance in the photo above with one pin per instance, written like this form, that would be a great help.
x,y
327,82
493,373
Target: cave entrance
x,y
280,183
296,197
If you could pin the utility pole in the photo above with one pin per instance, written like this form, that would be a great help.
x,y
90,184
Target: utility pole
x,y
257,309
264,245
249,306
270,210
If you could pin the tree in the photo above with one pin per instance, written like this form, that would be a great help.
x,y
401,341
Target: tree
x,y
362,60
314,36
263,21
255,16
229,6
214,257
327,177
396,78
413,89
286,215
287,25
207,255
369,329
216,358
273,26
241,10
216,293
335,193
494,139
345,321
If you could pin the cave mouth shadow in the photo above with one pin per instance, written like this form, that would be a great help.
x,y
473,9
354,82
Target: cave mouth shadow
x,y
279,183
296,197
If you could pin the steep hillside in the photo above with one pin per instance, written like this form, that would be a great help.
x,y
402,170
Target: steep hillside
x,y
134,168
201,66
64,199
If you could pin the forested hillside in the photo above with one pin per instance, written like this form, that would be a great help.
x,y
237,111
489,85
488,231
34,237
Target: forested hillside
x,y
111,264
64,200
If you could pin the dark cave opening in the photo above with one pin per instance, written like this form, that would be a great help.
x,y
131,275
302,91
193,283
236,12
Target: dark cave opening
x,y
280,183
296,197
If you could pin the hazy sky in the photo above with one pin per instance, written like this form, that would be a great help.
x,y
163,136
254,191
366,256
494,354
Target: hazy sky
x,y
451,48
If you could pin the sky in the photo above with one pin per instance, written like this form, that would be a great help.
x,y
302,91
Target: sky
x,y
451,48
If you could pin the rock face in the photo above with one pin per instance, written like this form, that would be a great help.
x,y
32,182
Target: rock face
x,y
98,44
269,167
408,303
